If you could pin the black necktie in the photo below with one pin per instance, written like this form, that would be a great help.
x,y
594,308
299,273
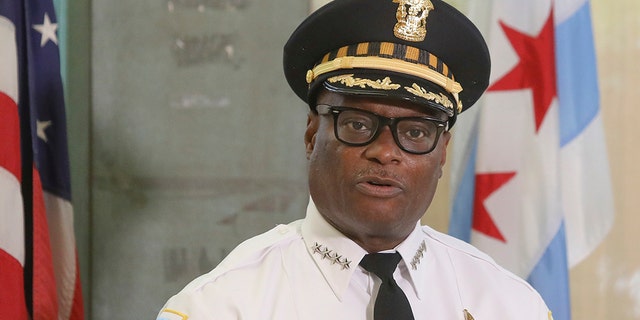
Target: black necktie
x,y
391,303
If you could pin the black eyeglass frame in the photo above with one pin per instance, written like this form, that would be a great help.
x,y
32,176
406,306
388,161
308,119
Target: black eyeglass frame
x,y
325,109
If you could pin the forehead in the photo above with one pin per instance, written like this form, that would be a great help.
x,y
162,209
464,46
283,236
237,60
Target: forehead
x,y
380,105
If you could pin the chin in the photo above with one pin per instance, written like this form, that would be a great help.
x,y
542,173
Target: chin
x,y
380,218
380,206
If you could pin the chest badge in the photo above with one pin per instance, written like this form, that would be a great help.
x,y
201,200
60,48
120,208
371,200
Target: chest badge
x,y
412,18
467,315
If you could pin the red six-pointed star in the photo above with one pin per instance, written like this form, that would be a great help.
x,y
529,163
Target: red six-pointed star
x,y
536,69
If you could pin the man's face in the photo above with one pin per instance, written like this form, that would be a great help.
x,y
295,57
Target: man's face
x,y
374,193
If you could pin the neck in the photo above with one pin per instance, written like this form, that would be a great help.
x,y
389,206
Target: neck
x,y
380,240
377,244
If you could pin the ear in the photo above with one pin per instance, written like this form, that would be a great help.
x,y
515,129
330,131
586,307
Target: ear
x,y
310,133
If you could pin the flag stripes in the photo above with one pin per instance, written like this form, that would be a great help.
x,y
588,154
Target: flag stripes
x,y
37,243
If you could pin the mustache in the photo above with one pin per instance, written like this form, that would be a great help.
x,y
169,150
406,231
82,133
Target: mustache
x,y
379,172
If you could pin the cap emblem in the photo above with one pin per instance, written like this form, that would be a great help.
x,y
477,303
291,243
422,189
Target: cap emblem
x,y
412,18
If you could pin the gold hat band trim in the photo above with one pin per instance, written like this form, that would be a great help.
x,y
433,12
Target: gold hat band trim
x,y
387,64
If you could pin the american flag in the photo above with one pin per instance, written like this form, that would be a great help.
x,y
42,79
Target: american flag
x,y
39,273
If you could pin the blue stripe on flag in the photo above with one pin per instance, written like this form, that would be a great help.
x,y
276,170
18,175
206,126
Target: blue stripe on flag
x,y
551,277
462,207
577,75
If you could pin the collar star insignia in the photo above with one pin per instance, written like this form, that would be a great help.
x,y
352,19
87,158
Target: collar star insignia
x,y
334,257
418,256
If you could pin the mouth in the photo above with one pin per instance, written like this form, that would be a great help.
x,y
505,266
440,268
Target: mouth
x,y
379,187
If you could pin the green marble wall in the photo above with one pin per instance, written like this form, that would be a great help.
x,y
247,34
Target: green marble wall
x,y
196,142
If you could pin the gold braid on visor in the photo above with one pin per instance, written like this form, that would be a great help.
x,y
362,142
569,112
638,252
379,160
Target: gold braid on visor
x,y
392,57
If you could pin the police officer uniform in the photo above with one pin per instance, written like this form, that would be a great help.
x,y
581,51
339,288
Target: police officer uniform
x,y
424,51
308,270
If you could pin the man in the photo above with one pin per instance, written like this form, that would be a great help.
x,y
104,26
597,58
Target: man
x,y
385,81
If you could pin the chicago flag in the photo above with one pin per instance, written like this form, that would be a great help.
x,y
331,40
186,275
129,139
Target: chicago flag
x,y
531,175
39,277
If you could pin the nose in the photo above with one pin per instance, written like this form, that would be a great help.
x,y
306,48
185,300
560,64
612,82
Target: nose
x,y
384,149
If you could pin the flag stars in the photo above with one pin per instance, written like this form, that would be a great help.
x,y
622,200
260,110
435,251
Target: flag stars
x,y
486,185
41,126
536,69
48,31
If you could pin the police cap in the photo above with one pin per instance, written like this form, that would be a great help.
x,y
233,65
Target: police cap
x,y
424,51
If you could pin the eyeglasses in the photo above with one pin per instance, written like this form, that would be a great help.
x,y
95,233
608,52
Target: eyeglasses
x,y
356,127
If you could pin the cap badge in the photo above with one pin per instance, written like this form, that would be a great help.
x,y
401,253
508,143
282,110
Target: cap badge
x,y
412,17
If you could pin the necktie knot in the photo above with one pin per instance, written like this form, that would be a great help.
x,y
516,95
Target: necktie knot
x,y
381,264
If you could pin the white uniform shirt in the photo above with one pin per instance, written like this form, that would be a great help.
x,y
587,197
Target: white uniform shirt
x,y
308,270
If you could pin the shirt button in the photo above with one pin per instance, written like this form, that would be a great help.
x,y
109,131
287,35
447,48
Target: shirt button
x,y
282,229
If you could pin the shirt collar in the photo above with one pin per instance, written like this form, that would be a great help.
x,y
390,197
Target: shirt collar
x,y
414,254
338,257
